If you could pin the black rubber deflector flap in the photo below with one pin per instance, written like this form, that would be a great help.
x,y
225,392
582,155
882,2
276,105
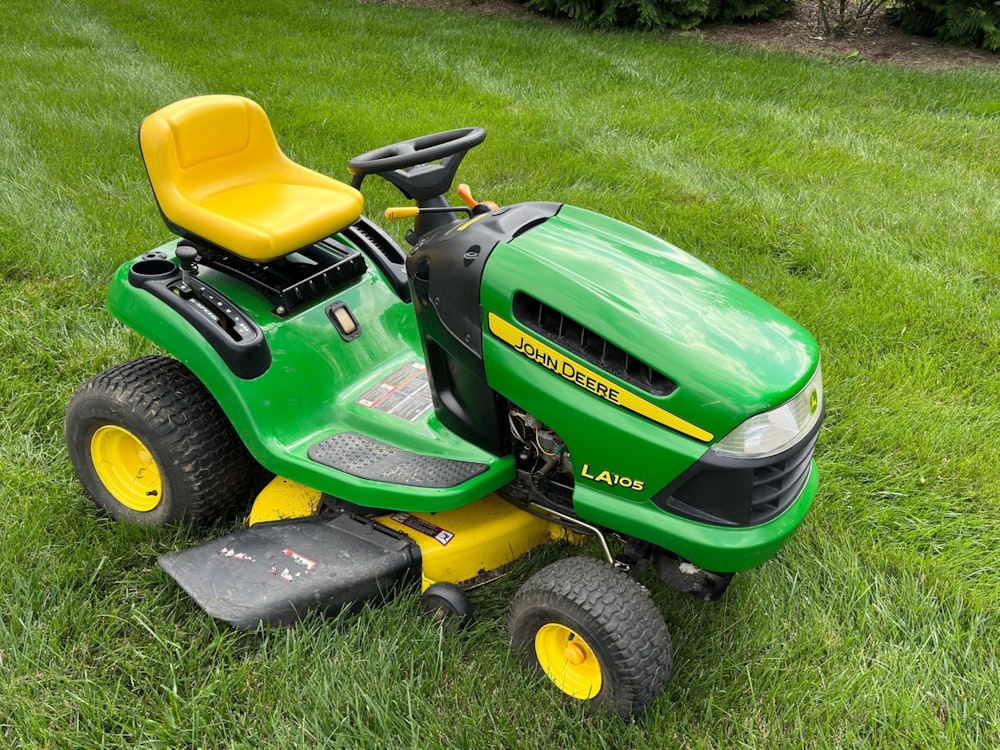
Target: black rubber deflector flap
x,y
275,574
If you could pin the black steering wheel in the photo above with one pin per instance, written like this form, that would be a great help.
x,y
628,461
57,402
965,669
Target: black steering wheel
x,y
408,164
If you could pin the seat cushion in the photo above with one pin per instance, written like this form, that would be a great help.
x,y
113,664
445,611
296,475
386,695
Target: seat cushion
x,y
264,220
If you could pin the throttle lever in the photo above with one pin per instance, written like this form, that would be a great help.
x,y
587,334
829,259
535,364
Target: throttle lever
x,y
465,193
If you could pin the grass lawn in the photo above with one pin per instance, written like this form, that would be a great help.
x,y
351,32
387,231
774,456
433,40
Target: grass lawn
x,y
864,201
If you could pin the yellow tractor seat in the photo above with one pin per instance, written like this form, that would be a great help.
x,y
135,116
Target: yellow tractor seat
x,y
219,175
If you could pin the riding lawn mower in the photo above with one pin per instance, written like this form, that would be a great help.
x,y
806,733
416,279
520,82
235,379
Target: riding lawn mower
x,y
425,418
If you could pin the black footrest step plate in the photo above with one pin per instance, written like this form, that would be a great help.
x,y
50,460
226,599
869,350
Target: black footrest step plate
x,y
367,458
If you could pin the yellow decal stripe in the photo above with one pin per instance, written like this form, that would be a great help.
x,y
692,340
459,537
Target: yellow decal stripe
x,y
544,355
470,222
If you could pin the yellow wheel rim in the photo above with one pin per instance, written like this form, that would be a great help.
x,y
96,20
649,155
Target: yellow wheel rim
x,y
568,660
127,469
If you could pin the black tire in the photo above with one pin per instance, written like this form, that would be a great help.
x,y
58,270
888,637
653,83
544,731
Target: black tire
x,y
448,605
617,654
150,445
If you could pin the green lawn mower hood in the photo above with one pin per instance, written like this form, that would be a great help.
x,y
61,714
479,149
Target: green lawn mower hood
x,y
729,353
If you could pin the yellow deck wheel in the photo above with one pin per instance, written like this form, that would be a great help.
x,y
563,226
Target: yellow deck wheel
x,y
568,660
127,468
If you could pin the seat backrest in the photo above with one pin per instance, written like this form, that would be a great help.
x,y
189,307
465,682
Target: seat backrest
x,y
200,146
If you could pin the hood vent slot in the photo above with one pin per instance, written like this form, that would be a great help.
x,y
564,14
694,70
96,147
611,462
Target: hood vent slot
x,y
588,346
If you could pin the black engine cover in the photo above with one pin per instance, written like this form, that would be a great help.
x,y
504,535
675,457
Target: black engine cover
x,y
445,271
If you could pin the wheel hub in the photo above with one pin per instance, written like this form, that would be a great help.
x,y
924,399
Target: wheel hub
x,y
574,654
568,660
126,467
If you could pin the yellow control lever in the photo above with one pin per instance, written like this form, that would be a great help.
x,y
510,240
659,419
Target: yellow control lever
x,y
401,212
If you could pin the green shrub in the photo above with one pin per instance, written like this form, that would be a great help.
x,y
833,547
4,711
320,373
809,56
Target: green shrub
x,y
751,10
659,14
964,22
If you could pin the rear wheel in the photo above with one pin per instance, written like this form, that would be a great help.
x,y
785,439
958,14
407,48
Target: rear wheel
x,y
150,445
595,633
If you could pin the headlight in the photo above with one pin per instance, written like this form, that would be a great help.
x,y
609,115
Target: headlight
x,y
777,430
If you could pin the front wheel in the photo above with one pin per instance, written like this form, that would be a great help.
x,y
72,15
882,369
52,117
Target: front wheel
x,y
595,633
150,445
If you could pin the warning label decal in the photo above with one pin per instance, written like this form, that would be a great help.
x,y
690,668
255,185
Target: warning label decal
x,y
405,394
420,525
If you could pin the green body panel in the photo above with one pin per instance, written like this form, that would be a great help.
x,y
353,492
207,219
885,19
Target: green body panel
x,y
309,392
716,548
732,354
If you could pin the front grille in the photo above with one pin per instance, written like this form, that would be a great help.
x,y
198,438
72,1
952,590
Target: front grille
x,y
581,341
739,492
777,485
